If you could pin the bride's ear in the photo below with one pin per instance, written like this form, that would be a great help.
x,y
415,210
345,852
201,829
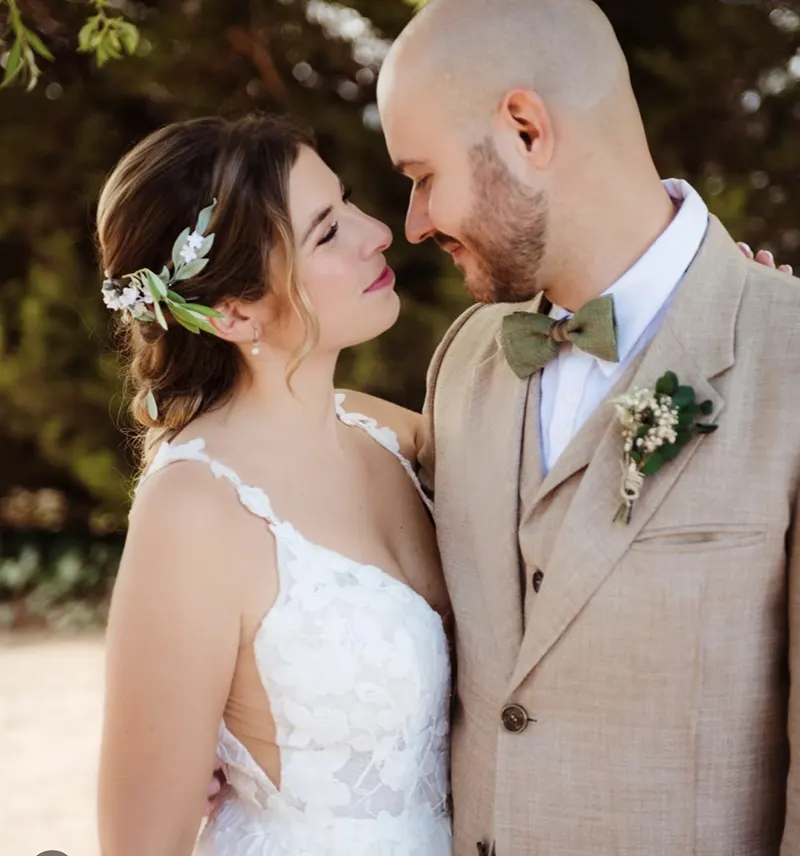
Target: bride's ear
x,y
237,321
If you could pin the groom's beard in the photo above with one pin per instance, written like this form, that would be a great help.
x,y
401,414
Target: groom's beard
x,y
505,233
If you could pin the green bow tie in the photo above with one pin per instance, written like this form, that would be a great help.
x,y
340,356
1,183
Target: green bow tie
x,y
531,340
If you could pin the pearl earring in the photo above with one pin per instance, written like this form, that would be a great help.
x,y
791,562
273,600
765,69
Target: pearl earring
x,y
255,350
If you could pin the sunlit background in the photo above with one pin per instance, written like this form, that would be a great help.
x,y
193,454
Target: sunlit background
x,y
718,85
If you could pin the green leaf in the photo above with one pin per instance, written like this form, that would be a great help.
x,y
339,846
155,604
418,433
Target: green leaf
x,y
159,315
13,64
85,36
164,273
178,246
706,408
208,242
192,322
192,328
152,407
636,456
33,69
129,36
189,270
157,287
667,384
670,451
705,428
174,297
202,324
642,430
683,438
204,310
683,396
38,45
204,218
101,54
653,464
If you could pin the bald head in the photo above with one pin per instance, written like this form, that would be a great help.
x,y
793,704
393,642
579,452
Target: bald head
x,y
517,124
473,51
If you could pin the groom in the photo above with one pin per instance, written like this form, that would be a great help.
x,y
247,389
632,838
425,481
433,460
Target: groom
x,y
622,689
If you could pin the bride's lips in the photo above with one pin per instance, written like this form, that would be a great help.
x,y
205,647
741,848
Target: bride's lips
x,y
385,280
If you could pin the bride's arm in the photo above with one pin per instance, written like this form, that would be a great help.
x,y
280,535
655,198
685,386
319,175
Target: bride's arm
x,y
171,648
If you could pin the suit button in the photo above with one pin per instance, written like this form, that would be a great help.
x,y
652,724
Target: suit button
x,y
515,718
537,581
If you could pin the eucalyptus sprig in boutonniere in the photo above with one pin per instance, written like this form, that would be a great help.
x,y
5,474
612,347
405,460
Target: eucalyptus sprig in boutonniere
x,y
656,424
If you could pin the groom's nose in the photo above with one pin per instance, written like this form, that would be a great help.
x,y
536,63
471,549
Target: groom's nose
x,y
418,222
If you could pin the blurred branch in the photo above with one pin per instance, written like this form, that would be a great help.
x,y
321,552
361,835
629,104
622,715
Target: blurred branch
x,y
253,48
21,59
106,36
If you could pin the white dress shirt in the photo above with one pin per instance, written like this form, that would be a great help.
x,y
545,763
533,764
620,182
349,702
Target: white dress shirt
x,y
574,383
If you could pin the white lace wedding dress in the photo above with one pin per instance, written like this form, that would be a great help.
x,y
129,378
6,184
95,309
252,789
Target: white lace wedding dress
x,y
357,671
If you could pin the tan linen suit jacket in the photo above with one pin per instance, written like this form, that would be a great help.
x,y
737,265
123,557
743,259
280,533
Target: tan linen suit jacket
x,y
652,660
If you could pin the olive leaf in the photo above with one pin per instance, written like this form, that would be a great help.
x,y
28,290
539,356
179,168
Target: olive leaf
x,y
152,407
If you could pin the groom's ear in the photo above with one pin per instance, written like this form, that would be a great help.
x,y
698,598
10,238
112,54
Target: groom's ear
x,y
523,112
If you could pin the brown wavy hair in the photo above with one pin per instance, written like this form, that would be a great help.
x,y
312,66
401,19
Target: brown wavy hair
x,y
159,188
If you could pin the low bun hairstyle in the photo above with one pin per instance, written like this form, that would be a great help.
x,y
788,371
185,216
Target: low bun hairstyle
x,y
156,191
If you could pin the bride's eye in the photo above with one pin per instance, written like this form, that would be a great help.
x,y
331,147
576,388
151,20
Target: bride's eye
x,y
329,235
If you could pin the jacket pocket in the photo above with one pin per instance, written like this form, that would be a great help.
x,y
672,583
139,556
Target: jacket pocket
x,y
700,537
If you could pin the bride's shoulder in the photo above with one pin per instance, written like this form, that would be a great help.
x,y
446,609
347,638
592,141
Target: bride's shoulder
x,y
406,424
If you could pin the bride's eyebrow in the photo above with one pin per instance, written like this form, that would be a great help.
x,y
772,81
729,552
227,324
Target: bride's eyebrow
x,y
320,216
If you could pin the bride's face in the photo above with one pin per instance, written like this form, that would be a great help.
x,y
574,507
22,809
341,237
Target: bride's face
x,y
340,261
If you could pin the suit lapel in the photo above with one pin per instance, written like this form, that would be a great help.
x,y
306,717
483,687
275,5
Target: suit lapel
x,y
499,405
696,341
497,416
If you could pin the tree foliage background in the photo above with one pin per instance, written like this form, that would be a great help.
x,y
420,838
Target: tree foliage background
x,y
717,82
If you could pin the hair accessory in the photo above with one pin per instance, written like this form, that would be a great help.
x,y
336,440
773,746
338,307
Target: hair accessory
x,y
141,294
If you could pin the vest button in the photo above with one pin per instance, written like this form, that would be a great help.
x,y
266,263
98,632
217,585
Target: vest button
x,y
515,718
537,581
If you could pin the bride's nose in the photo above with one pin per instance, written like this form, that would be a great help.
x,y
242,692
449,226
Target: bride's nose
x,y
377,236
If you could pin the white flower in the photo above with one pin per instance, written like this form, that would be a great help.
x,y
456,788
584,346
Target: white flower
x,y
111,300
195,241
130,295
188,254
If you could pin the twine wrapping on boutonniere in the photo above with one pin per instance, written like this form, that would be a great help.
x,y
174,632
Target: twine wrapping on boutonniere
x,y
656,424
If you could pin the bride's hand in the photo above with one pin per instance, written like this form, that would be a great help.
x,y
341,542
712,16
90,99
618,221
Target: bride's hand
x,y
215,788
763,257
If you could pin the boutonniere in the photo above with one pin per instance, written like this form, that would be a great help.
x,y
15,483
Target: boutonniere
x,y
656,424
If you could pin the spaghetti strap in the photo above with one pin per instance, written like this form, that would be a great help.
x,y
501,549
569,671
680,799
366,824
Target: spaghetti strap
x,y
385,437
254,499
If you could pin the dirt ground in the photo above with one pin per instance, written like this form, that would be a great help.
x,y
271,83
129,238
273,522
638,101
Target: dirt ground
x,y
50,715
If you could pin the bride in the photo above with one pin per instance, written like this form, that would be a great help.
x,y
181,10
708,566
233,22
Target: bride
x,y
280,602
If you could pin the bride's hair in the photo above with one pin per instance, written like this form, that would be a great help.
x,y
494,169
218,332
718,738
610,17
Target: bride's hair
x,y
156,190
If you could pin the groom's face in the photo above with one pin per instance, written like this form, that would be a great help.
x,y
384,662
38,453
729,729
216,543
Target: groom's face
x,y
466,198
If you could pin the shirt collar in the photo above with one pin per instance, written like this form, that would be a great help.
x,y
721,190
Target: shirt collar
x,y
645,287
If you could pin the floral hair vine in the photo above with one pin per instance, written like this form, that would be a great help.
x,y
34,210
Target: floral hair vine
x,y
140,295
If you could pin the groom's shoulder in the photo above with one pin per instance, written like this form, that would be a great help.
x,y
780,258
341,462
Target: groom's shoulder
x,y
476,328
770,307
